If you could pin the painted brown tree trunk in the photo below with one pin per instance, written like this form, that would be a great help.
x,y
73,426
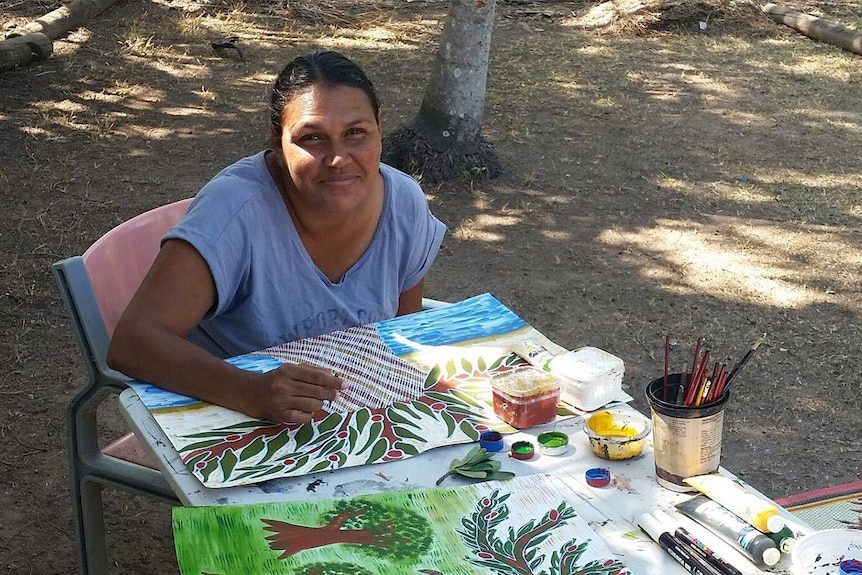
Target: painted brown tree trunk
x,y
813,27
291,539
445,138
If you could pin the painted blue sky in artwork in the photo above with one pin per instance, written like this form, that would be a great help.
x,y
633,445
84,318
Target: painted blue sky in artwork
x,y
474,318
155,397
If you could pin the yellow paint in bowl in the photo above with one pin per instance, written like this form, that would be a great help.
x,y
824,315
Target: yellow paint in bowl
x,y
617,433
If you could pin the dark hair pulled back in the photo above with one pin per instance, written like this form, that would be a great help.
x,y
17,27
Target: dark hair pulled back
x,y
326,68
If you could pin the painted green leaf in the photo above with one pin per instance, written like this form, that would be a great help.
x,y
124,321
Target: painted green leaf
x,y
405,433
396,417
433,377
352,437
466,365
379,450
330,422
211,466
252,449
406,448
274,469
275,443
376,428
202,444
466,398
303,435
460,410
469,430
450,423
361,417
450,368
419,406
480,365
199,457
509,547
228,462
497,363
217,434
444,397
321,465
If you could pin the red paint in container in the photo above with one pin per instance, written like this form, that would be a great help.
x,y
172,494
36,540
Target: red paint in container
x,y
525,396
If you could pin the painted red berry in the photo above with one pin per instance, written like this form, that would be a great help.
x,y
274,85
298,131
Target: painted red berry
x,y
289,461
341,435
438,406
233,437
395,453
608,563
200,464
486,502
484,555
376,417
553,514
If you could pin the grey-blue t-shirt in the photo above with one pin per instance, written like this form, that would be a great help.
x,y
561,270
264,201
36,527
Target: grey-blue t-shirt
x,y
268,289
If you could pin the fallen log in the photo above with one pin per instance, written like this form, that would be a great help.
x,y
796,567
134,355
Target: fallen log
x,y
22,50
56,23
813,27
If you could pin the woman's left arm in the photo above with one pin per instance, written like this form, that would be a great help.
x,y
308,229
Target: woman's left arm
x,y
411,300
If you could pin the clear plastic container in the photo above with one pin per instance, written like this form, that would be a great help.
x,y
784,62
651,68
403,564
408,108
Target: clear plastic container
x,y
589,377
525,396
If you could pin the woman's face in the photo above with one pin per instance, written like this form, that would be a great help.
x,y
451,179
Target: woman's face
x,y
330,147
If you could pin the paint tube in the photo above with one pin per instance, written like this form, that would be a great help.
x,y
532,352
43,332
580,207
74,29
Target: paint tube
x,y
732,528
736,498
784,539
533,353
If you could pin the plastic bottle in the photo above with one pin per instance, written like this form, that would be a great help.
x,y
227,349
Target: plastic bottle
x,y
732,528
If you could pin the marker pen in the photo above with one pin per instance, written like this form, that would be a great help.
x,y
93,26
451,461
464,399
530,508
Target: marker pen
x,y
674,547
699,548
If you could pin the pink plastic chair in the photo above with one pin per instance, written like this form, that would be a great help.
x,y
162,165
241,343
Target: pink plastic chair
x,y
96,287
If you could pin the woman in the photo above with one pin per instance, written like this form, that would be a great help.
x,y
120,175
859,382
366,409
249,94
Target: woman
x,y
309,237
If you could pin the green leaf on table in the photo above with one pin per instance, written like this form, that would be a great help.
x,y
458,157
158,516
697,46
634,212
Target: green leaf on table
x,y
476,464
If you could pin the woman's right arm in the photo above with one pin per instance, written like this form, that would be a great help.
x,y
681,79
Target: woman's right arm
x,y
149,343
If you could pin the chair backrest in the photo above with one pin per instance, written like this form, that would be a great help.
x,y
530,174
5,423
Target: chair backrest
x,y
118,261
98,285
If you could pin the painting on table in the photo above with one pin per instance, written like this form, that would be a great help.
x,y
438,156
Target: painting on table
x,y
417,382
528,525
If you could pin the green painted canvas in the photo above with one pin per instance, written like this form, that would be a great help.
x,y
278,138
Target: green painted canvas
x,y
525,526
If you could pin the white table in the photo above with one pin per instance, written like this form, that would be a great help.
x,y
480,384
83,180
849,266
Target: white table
x,y
612,510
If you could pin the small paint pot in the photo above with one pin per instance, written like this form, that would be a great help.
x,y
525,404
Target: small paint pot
x,y
553,443
850,567
598,477
522,450
491,441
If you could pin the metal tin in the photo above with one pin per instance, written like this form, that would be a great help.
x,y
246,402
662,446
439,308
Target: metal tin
x,y
491,441
522,450
553,443
598,477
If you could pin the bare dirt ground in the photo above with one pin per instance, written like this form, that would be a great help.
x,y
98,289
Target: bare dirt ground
x,y
677,181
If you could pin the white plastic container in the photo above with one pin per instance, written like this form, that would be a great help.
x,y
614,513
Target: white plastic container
x,y
590,377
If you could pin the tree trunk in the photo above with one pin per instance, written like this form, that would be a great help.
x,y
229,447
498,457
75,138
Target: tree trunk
x,y
813,27
21,50
445,139
56,23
